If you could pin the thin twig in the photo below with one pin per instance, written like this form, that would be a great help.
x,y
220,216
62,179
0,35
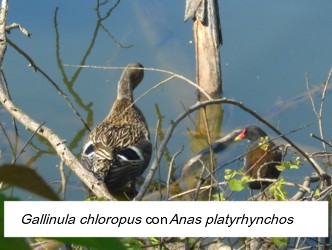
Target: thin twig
x,y
153,88
148,69
4,81
200,181
212,162
319,113
7,138
320,139
55,85
201,188
20,27
170,170
27,143
155,147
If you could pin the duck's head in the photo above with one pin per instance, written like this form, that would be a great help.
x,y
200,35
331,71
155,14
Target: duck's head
x,y
131,76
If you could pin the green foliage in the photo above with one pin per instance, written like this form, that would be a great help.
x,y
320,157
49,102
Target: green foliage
x,y
264,143
9,243
95,243
218,197
236,184
95,198
317,193
291,164
278,191
27,179
132,243
280,241
229,174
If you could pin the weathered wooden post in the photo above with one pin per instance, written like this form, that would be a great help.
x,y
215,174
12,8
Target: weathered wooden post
x,y
208,38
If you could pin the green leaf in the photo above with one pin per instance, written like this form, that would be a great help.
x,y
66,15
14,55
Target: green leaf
x,y
132,243
317,193
154,240
287,165
95,243
280,241
263,144
282,166
27,179
277,190
236,185
293,166
9,243
218,197
13,243
229,174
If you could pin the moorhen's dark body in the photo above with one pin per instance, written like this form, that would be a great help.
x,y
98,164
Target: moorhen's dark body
x,y
260,160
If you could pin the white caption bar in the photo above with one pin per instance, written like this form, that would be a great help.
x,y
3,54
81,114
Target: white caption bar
x,y
166,219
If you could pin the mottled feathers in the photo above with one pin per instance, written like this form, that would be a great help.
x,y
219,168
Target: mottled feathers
x,y
118,150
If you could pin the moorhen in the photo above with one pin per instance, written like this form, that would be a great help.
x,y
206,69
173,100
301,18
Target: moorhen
x,y
118,150
260,160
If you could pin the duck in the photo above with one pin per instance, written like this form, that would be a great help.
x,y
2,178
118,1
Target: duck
x,y
261,157
118,150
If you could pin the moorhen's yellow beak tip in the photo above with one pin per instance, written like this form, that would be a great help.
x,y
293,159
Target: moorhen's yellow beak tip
x,y
241,135
238,138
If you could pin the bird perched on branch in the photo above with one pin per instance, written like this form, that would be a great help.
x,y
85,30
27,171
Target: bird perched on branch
x,y
261,158
118,150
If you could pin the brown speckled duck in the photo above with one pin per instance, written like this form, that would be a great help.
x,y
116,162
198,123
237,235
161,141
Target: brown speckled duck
x,y
118,150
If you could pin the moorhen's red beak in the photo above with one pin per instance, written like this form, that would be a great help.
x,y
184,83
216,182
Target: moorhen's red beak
x,y
241,135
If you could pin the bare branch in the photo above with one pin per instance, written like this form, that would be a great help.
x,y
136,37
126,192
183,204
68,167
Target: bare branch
x,y
320,139
148,69
170,171
3,37
7,138
305,186
20,27
27,143
319,113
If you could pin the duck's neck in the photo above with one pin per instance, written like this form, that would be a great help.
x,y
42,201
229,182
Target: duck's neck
x,y
125,90
119,108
